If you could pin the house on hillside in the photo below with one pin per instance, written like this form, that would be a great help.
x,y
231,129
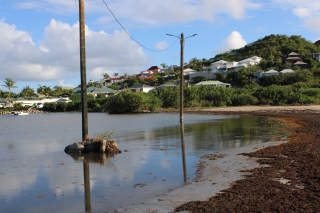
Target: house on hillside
x,y
39,102
286,71
155,68
140,88
225,66
213,83
301,64
116,80
106,92
147,74
188,71
168,85
3,102
316,56
95,91
293,57
258,74
270,73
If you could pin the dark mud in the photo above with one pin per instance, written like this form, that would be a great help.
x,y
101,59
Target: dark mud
x,y
289,181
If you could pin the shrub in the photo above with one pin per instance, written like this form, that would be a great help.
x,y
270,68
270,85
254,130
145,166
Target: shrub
x,y
51,107
61,106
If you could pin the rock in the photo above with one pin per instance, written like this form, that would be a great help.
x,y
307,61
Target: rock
x,y
93,146
76,148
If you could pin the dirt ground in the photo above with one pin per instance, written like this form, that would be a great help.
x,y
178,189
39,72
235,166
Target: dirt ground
x,y
289,181
269,177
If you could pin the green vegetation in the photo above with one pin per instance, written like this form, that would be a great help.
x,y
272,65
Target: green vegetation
x,y
104,135
300,87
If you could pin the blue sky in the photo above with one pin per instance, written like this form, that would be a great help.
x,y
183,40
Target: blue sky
x,y
39,40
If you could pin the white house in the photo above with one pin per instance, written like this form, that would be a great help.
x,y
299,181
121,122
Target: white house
x,y
213,83
39,103
188,71
286,71
270,73
223,66
140,88
258,74
316,56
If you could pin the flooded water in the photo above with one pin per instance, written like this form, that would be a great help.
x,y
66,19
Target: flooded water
x,y
37,176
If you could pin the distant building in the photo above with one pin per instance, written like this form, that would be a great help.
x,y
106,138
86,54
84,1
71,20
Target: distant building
x,y
316,56
213,83
301,64
293,58
140,88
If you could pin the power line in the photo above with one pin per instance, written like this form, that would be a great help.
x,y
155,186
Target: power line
x,y
131,35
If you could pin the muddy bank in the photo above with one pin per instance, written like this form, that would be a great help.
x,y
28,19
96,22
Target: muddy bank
x,y
288,178
268,177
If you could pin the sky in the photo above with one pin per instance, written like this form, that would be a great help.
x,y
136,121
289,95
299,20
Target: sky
x,y
39,39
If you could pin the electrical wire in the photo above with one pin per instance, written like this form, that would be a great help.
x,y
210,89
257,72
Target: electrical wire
x,y
131,35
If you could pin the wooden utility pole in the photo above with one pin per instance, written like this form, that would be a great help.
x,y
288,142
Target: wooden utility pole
x,y
83,71
181,76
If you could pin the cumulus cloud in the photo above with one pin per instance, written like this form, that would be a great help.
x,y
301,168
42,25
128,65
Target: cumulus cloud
x,y
307,10
162,45
159,12
56,57
233,41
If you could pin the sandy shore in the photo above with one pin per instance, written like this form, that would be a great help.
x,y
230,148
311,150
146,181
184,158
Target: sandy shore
x,y
218,171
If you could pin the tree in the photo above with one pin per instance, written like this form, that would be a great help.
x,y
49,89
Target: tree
x,y
9,83
44,90
125,75
116,74
106,75
27,92
163,65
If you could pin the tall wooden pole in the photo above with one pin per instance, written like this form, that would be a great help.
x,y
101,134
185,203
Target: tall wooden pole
x,y
83,71
181,76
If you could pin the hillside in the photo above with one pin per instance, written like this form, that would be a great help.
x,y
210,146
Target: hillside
x,y
271,48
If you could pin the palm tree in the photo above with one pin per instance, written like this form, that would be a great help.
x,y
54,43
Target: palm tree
x,y
44,90
9,83
163,65
106,75
115,74
27,92
125,75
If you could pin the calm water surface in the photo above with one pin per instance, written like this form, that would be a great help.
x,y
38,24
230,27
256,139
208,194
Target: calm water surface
x,y
37,176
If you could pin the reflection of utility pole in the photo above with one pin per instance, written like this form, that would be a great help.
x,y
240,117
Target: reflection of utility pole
x,y
83,71
182,39
87,192
183,153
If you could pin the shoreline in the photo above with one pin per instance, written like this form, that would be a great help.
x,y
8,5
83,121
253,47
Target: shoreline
x,y
225,168
216,172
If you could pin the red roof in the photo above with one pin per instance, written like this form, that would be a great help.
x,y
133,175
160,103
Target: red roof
x,y
154,68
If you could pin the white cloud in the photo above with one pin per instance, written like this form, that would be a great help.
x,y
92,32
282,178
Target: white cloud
x,y
62,84
162,45
307,10
57,56
313,23
159,12
233,41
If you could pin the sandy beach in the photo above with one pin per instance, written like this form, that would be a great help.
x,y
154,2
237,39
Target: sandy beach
x,y
270,177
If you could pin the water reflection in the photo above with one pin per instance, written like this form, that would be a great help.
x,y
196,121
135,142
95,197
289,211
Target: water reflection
x,y
183,151
154,145
87,190
87,158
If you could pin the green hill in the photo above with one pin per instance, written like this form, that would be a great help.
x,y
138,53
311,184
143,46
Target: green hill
x,y
272,48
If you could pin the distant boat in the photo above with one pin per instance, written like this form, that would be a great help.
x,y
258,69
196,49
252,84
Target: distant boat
x,y
19,113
